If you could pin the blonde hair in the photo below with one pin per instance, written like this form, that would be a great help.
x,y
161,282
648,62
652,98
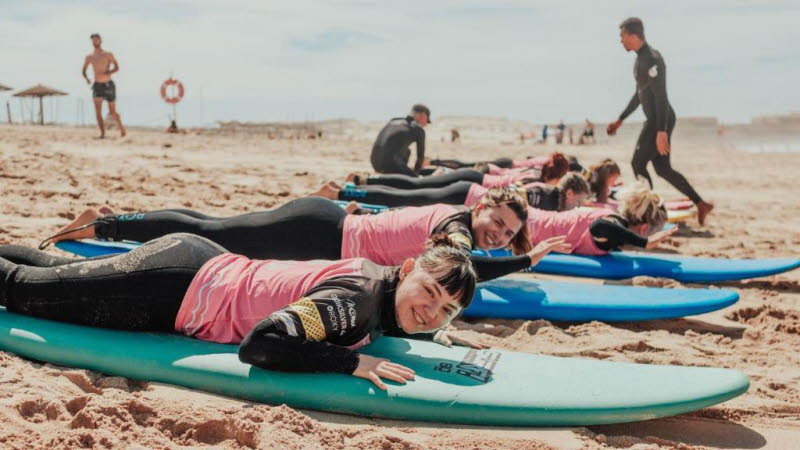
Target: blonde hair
x,y
641,205
517,201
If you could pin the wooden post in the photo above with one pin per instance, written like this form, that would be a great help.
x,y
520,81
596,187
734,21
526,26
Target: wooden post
x,y
8,110
41,110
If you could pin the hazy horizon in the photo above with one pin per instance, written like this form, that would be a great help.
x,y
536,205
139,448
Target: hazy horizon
x,y
309,60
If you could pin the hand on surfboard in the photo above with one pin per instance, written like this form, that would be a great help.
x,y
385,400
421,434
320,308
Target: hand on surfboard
x,y
373,369
448,339
655,239
554,244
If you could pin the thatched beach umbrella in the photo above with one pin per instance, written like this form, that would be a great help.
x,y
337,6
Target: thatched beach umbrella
x,y
3,87
40,91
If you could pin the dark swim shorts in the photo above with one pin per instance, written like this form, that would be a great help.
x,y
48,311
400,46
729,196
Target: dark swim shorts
x,y
107,91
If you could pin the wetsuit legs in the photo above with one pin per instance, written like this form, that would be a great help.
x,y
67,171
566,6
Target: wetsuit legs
x,y
646,151
140,290
505,163
454,194
303,229
433,181
398,164
19,254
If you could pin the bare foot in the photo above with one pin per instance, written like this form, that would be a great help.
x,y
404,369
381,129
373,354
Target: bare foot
x,y
328,190
351,207
122,132
86,217
703,209
106,210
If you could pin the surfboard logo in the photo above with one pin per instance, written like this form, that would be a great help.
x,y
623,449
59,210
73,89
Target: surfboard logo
x,y
653,72
476,365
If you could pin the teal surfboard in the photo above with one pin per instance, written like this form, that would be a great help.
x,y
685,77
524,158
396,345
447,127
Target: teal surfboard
x,y
457,385
528,298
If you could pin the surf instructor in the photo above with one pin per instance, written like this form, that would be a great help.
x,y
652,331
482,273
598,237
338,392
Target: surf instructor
x,y
104,65
390,153
650,74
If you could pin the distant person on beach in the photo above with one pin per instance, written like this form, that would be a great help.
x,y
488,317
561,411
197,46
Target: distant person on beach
x,y
104,65
560,132
390,154
650,74
588,133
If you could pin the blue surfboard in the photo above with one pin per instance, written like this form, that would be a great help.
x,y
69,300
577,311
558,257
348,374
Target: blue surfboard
x,y
527,298
687,269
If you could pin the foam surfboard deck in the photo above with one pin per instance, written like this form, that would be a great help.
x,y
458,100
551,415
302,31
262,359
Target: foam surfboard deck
x,y
536,299
456,385
527,298
687,269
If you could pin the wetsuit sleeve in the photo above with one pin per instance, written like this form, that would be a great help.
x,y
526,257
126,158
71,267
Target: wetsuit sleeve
x,y
301,337
658,86
489,268
632,105
610,234
420,148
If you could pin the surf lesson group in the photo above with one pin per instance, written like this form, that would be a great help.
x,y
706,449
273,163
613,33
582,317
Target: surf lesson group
x,y
398,253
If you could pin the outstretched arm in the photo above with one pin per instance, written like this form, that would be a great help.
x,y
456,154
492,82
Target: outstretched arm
x,y
632,105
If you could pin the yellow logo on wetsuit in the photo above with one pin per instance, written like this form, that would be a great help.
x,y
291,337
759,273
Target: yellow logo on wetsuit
x,y
310,318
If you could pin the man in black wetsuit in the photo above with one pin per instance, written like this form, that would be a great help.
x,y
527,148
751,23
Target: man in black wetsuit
x,y
650,74
390,153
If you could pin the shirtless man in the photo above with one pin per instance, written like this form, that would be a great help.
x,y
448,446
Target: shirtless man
x,y
103,87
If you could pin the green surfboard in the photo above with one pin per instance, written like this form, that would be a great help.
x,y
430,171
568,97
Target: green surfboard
x,y
458,385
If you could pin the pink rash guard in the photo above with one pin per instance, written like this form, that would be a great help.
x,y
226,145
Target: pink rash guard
x,y
574,224
392,236
231,293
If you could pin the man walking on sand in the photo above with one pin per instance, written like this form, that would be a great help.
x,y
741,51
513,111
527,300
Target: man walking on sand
x,y
103,87
650,74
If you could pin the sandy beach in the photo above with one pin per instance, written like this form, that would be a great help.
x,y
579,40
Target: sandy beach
x,y
48,174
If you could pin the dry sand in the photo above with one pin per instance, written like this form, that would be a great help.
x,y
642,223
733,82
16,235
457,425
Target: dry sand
x,y
48,174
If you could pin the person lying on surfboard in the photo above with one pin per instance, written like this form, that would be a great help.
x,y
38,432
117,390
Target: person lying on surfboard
x,y
598,231
570,191
602,177
549,172
317,228
283,314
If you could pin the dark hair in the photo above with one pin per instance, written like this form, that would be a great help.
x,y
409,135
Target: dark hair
x,y
598,177
556,167
516,200
420,108
94,35
451,266
633,25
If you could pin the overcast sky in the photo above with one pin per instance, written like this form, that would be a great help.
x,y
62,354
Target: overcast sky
x,y
538,61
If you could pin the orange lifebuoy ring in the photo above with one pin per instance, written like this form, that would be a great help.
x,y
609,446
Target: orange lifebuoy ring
x,y
172,99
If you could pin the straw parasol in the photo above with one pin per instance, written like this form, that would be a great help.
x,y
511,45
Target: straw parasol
x,y
3,87
40,91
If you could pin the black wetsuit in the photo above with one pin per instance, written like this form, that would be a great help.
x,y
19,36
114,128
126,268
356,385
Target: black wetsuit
x,y
611,232
303,229
432,181
143,291
650,74
542,197
390,154
505,163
